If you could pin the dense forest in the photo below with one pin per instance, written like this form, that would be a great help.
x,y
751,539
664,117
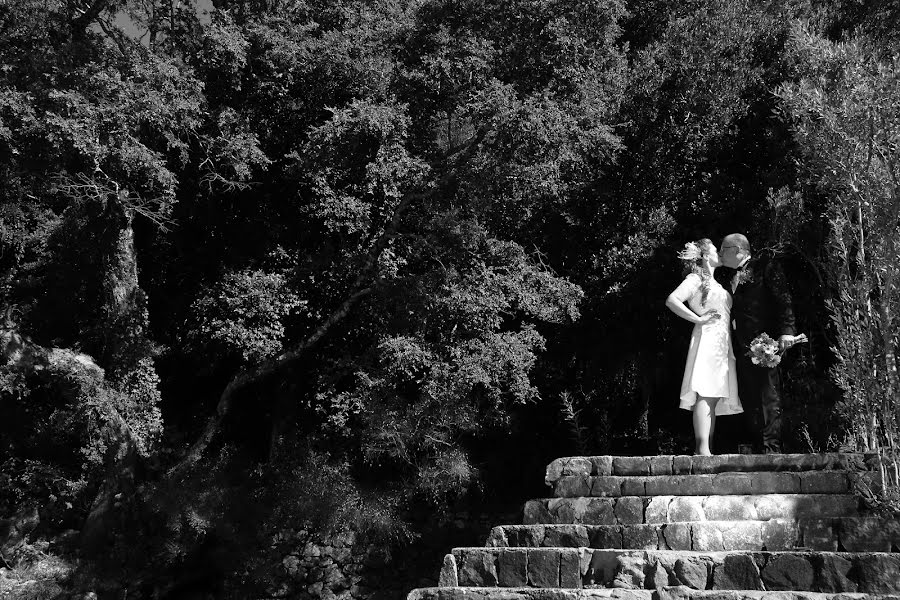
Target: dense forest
x,y
334,264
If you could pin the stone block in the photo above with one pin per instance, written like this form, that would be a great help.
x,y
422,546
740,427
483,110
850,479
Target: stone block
x,y
564,511
737,572
631,465
602,465
630,510
734,483
742,535
677,536
511,568
577,465
634,486
476,568
543,568
525,536
780,534
607,486
824,482
692,572
565,536
661,465
686,508
818,534
657,510
730,508
578,506
789,572
775,483
553,471
573,486
833,574
878,573
536,512
599,511
640,537
605,536
570,570
865,534
497,538
707,537
681,465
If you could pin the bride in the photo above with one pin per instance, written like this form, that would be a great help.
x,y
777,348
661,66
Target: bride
x,y
709,387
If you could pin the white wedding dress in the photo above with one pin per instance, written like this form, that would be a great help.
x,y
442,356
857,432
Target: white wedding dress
x,y
710,370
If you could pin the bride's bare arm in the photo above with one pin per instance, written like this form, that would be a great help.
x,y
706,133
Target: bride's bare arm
x,y
676,303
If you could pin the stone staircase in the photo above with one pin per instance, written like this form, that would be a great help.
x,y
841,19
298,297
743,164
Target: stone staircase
x,y
777,526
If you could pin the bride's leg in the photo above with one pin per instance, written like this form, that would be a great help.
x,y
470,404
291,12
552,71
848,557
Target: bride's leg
x,y
704,415
712,421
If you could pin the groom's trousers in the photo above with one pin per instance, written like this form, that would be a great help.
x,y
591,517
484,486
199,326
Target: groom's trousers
x,y
759,389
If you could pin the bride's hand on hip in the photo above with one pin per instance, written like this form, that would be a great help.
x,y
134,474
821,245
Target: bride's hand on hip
x,y
709,317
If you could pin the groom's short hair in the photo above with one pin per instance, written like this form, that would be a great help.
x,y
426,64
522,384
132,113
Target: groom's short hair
x,y
739,240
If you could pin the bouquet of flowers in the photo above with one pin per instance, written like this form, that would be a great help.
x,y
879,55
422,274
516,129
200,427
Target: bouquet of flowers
x,y
765,352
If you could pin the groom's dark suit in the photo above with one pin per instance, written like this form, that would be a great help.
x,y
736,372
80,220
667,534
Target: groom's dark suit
x,y
762,304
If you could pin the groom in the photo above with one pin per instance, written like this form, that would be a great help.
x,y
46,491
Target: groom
x,y
762,304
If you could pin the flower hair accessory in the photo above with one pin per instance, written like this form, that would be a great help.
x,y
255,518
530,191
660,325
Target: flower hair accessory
x,y
691,252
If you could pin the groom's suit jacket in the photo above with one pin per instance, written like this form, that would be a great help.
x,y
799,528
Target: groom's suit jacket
x,y
761,302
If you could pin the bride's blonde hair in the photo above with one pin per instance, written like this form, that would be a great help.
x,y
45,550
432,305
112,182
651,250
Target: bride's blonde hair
x,y
693,257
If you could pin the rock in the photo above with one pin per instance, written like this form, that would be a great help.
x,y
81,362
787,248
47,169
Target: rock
x,y
607,486
677,536
602,465
536,512
570,570
730,508
661,465
577,465
497,538
774,483
629,573
512,568
543,568
824,482
606,536
657,510
878,573
737,572
788,572
640,537
291,564
683,509
565,536
631,465
658,576
865,535
707,537
692,572
780,534
742,535
573,486
681,465
629,511
599,511
477,569
832,574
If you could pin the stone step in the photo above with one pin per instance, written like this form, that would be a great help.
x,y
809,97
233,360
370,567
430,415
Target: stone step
x,y
871,534
706,465
574,568
667,593
637,510
730,483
